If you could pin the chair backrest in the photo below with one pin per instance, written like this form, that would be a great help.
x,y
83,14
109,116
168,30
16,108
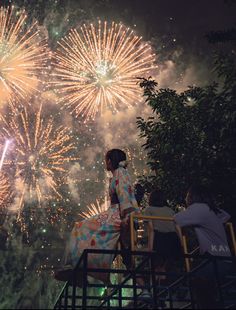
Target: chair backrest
x,y
183,237
157,218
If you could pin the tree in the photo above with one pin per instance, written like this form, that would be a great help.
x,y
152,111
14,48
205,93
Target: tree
x,y
191,136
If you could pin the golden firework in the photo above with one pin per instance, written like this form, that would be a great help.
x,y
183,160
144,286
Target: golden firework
x,y
94,209
5,191
97,67
39,153
22,56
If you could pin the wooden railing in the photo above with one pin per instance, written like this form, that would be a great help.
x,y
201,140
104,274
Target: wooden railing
x,y
182,236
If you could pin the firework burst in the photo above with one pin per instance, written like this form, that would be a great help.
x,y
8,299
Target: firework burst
x,y
98,66
39,154
22,56
94,209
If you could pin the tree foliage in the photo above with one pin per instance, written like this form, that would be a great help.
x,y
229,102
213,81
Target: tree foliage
x,y
191,136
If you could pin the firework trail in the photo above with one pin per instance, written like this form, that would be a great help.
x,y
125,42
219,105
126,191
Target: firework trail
x,y
5,191
22,56
7,143
97,68
41,151
95,209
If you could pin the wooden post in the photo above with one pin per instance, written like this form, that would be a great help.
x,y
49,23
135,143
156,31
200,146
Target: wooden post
x,y
132,231
185,247
232,235
132,237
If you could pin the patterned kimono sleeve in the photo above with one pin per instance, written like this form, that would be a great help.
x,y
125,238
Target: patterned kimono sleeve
x,y
124,191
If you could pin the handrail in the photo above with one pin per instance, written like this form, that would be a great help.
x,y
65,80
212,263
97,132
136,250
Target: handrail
x,y
60,294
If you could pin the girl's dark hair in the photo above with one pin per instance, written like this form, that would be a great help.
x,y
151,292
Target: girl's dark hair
x,y
201,194
157,199
116,156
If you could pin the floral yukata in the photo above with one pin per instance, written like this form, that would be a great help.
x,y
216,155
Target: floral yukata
x,y
102,231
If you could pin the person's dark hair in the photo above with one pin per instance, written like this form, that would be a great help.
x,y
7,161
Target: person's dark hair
x,y
201,194
157,199
138,192
116,156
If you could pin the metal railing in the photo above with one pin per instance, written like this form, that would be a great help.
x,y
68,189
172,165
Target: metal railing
x,y
74,297
177,293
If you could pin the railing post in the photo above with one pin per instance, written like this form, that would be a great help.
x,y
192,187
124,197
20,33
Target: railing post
x,y
218,281
187,260
66,297
74,279
185,247
120,297
85,266
170,297
132,231
189,280
153,274
232,234
134,286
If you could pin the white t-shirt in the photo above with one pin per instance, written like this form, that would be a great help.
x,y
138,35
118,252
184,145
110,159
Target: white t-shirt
x,y
161,226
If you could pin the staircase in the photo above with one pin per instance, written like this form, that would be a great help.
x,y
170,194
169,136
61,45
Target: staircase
x,y
79,292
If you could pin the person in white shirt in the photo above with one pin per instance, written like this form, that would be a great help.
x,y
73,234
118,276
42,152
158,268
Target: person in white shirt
x,y
207,221
163,238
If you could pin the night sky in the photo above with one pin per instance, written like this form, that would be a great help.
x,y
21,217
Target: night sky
x,y
176,31
187,21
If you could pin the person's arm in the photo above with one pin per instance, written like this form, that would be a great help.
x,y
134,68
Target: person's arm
x,y
223,216
192,216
